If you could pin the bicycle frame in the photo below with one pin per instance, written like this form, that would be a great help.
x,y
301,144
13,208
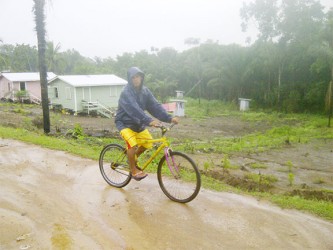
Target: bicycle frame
x,y
165,145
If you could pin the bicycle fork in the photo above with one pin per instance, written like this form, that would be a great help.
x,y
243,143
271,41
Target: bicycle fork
x,y
174,169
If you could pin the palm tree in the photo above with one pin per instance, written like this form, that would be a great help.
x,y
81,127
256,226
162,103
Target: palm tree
x,y
52,54
40,29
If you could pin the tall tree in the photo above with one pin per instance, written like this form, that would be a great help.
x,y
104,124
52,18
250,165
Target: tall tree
x,y
24,58
291,24
52,56
41,32
328,33
329,39
2,59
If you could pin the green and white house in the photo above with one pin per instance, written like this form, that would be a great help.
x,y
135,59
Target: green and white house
x,y
86,93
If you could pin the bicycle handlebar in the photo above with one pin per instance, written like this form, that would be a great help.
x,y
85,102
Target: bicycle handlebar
x,y
164,129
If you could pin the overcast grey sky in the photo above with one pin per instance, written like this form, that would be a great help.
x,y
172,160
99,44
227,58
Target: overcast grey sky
x,y
106,28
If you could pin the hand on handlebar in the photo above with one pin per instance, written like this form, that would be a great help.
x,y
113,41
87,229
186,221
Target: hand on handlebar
x,y
155,123
158,124
175,120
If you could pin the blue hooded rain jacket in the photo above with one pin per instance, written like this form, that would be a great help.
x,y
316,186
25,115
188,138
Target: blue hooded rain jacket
x,y
133,103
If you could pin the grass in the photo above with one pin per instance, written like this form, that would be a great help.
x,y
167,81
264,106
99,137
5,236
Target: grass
x,y
206,109
319,180
323,209
320,208
256,165
261,179
213,184
86,147
286,129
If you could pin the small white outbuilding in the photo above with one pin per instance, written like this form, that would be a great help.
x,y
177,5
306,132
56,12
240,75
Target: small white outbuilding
x,y
180,104
244,104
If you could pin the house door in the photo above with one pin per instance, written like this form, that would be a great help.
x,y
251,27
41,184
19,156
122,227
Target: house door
x,y
22,86
10,86
86,94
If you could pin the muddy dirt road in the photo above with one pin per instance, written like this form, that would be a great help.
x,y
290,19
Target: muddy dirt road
x,y
53,200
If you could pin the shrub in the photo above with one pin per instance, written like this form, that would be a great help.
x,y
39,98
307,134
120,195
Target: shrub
x,y
38,122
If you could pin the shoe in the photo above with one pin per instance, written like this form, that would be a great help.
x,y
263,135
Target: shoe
x,y
139,176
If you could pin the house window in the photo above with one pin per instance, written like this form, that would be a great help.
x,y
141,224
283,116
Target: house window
x,y
68,93
56,92
9,86
22,86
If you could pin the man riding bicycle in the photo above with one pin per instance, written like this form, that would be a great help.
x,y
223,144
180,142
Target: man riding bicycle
x,y
132,120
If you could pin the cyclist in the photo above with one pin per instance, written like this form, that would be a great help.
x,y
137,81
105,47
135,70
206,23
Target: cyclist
x,y
132,120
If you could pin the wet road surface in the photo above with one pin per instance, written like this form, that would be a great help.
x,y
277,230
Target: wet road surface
x,y
53,200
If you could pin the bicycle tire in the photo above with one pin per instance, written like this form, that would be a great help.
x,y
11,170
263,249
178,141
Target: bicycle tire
x,y
114,166
180,183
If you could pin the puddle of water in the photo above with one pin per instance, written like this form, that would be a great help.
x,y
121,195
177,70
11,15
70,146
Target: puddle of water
x,y
60,238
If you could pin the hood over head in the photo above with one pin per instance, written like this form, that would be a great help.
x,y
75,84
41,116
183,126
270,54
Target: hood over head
x,y
132,72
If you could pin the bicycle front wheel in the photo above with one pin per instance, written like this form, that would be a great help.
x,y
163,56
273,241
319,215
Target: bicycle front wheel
x,y
114,166
178,177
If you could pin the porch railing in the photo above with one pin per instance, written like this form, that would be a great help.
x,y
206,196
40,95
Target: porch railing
x,y
97,106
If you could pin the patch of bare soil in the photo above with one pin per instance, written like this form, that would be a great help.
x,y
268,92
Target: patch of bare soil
x,y
310,176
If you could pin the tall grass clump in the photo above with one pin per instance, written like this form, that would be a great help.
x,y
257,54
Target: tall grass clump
x,y
207,108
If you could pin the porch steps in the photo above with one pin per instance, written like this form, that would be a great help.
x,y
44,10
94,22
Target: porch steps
x,y
98,107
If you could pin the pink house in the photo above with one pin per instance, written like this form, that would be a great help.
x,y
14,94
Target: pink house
x,y
11,83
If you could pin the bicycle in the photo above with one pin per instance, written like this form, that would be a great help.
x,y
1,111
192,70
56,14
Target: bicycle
x,y
178,176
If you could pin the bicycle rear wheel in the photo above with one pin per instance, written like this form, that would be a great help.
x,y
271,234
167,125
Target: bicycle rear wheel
x,y
113,165
179,177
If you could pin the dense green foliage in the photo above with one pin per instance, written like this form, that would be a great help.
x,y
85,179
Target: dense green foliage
x,y
288,68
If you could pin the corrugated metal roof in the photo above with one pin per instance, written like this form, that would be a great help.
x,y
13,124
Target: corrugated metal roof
x,y
92,80
26,76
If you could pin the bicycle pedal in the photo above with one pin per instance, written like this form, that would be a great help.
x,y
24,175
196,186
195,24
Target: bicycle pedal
x,y
114,165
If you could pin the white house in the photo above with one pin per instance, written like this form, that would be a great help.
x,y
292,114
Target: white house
x,y
85,93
